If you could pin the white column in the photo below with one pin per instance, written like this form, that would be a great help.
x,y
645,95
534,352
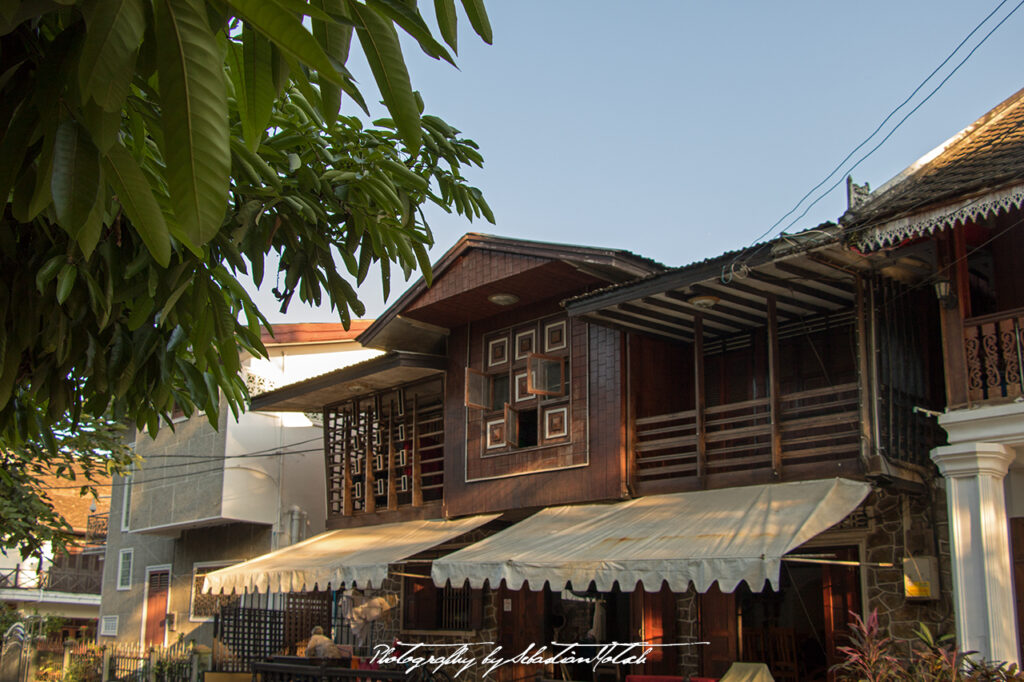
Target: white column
x,y
980,547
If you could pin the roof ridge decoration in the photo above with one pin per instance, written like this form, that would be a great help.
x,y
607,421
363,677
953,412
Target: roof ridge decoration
x,y
928,222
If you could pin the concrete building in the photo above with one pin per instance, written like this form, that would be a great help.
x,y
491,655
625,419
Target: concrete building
x,y
206,498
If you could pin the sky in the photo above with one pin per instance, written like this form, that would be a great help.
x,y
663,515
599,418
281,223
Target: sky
x,y
679,129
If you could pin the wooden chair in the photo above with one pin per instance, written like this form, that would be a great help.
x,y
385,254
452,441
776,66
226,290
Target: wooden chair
x,y
753,645
782,654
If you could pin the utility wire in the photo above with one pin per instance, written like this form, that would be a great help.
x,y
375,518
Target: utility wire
x,y
881,125
908,115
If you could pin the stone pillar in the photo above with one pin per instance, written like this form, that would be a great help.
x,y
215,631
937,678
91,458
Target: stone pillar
x,y
980,548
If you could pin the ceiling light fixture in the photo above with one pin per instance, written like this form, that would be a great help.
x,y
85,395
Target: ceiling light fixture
x,y
703,302
503,299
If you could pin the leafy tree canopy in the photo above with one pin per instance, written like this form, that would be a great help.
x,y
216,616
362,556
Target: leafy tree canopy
x,y
154,152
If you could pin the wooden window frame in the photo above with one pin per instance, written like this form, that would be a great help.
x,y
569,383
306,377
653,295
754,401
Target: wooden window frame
x,y
533,371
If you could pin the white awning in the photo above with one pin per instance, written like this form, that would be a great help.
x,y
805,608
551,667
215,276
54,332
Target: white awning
x,y
350,556
726,535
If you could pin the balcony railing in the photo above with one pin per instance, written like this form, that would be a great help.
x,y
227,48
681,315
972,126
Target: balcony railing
x,y
53,580
815,426
96,529
993,350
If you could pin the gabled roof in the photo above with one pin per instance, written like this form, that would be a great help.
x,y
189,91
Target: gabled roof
x,y
609,265
983,157
312,332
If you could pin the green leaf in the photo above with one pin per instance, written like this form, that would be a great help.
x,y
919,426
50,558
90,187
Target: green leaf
x,y
114,30
335,39
447,21
412,23
136,198
66,282
286,31
477,15
75,183
384,55
195,119
258,90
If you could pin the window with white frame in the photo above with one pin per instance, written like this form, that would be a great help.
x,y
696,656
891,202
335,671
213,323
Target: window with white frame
x,y
126,502
124,569
108,626
203,607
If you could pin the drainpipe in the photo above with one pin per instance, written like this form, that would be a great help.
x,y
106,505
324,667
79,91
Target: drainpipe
x,y
296,517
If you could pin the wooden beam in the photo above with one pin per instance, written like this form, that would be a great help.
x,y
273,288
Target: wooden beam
x,y
783,300
745,303
642,323
842,285
718,313
774,398
656,315
595,318
798,287
709,315
699,400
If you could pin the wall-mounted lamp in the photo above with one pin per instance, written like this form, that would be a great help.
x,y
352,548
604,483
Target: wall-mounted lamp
x,y
944,292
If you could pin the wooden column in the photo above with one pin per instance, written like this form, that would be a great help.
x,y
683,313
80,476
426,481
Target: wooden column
x,y
951,321
346,463
864,382
417,479
392,484
699,399
370,477
773,386
628,487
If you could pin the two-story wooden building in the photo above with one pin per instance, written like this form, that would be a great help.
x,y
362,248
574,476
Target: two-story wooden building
x,y
959,209
576,444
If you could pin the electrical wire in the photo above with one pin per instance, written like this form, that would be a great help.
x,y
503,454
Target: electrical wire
x,y
771,229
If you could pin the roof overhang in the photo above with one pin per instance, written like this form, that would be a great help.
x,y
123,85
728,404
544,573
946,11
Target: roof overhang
x,y
353,557
729,535
726,299
377,374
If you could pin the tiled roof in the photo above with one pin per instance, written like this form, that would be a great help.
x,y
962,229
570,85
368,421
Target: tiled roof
x,y
986,155
313,332
75,508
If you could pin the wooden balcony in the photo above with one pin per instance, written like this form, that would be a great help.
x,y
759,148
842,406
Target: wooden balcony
x,y
817,431
993,355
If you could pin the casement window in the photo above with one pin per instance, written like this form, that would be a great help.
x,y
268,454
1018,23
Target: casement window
x,y
108,626
124,569
426,607
521,393
204,607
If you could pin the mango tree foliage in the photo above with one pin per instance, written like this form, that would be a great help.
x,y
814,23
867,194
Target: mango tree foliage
x,y
152,152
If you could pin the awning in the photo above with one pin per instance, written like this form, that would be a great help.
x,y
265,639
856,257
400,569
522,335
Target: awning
x,y
726,535
350,556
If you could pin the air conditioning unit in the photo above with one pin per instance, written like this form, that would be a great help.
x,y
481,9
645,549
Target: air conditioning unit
x,y
402,458
380,487
404,484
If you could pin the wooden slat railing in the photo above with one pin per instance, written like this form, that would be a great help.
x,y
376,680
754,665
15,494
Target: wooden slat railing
x,y
816,425
993,351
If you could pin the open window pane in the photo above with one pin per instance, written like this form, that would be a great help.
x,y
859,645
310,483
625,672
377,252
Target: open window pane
x,y
478,389
545,375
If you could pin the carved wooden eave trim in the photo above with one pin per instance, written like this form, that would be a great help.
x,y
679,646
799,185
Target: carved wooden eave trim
x,y
896,231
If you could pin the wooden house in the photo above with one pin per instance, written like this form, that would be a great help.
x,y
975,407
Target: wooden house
x,y
956,215
564,443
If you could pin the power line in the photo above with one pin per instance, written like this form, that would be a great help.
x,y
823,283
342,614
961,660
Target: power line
x,y
908,115
882,125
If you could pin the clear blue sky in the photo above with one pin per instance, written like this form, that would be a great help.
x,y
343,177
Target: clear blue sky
x,y
682,129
